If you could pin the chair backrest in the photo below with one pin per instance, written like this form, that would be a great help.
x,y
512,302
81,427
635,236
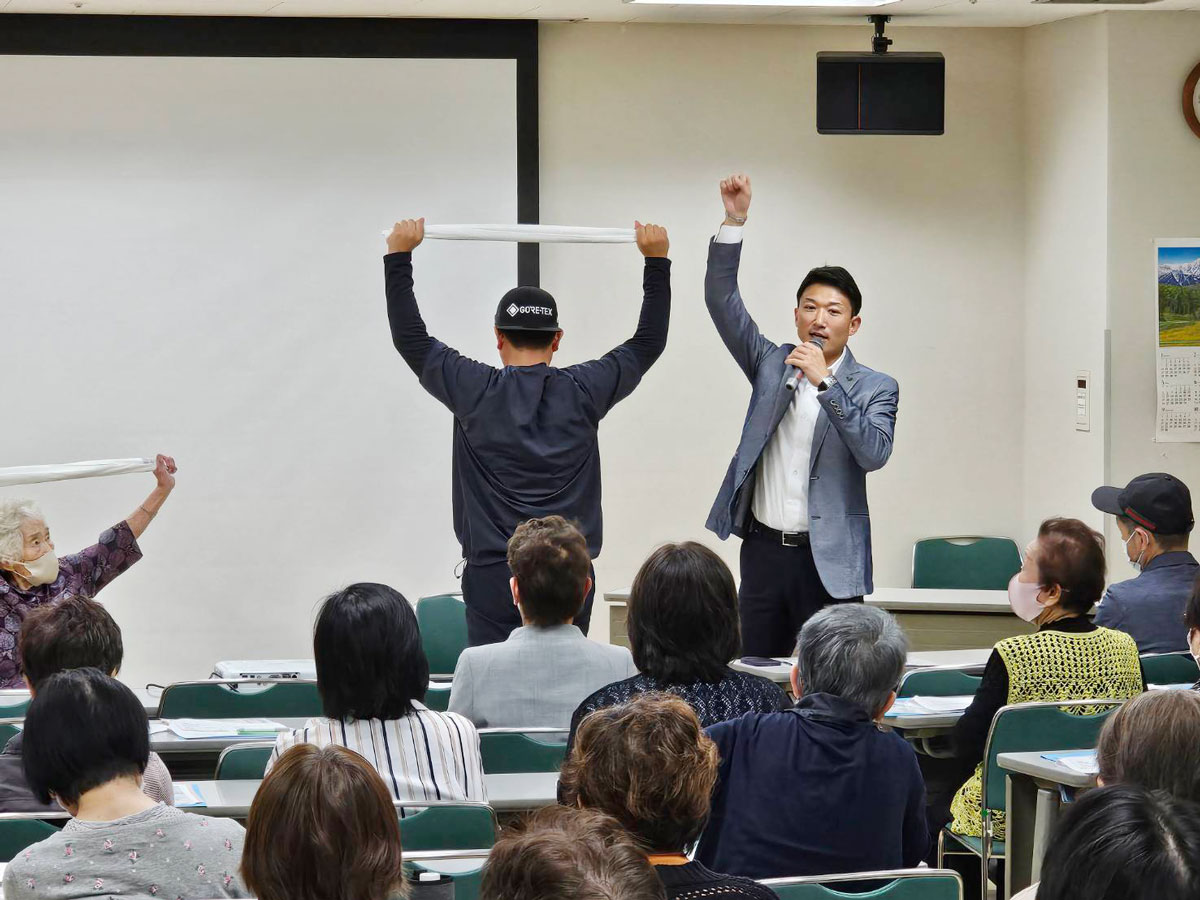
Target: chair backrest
x,y
17,833
437,696
14,704
966,562
240,762
230,699
443,623
446,826
1029,727
938,682
1169,668
510,750
900,884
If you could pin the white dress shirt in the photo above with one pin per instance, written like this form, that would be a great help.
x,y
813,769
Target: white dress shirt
x,y
781,485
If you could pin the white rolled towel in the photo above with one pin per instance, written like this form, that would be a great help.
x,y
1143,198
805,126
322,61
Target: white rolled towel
x,y
94,468
530,234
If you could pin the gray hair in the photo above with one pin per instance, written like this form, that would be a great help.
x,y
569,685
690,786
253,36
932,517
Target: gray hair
x,y
12,514
853,651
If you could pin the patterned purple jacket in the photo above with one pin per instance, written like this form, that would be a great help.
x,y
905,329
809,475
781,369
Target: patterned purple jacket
x,y
81,574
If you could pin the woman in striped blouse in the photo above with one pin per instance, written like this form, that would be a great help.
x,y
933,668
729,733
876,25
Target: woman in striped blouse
x,y
372,675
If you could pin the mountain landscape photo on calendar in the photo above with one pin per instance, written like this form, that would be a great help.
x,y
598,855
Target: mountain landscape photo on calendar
x,y
1179,296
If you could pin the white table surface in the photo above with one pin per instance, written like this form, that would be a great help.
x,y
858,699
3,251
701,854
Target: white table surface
x,y
923,659
511,792
1035,766
169,742
908,600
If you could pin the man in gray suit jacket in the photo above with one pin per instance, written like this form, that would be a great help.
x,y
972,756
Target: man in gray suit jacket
x,y
547,667
818,421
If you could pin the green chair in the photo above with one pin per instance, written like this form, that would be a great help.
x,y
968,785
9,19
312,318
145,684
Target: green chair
x,y
509,750
902,884
438,696
1021,728
243,762
443,623
938,682
14,704
450,825
18,831
965,563
1169,668
464,868
217,699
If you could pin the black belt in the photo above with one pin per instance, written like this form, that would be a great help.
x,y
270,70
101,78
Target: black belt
x,y
786,538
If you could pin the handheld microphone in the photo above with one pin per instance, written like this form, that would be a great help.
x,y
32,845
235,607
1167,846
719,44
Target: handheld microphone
x,y
792,378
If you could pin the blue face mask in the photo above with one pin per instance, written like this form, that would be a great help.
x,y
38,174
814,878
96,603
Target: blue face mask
x,y
1136,563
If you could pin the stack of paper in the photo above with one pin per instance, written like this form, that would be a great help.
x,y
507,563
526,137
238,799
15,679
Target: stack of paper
x,y
1084,762
188,794
930,706
224,728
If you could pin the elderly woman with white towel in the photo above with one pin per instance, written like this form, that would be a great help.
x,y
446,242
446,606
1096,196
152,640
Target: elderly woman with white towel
x,y
32,575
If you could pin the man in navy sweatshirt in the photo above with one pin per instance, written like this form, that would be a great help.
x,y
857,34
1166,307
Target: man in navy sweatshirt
x,y
525,435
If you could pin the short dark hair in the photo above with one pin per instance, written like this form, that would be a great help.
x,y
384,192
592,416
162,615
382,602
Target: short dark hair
x,y
83,729
549,558
323,827
1165,541
72,634
528,340
837,278
648,764
682,615
1118,842
370,662
1071,555
1151,740
562,853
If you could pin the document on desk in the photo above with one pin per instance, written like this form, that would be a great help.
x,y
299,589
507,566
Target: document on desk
x,y
1083,762
187,794
190,729
930,706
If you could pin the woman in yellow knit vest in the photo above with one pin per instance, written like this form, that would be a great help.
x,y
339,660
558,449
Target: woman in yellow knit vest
x,y
1068,658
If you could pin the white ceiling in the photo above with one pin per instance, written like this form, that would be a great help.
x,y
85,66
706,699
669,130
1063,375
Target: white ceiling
x,y
1011,13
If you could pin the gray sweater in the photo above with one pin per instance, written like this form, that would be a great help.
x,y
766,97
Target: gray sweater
x,y
161,853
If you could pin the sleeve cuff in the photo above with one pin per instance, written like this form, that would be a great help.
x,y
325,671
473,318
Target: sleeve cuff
x,y
400,257
729,234
658,262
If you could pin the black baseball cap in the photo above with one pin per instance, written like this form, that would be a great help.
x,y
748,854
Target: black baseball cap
x,y
527,309
1158,502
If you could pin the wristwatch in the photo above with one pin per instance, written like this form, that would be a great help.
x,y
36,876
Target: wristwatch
x,y
826,383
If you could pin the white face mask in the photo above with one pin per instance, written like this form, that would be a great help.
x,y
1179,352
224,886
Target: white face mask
x,y
1136,563
43,570
1023,598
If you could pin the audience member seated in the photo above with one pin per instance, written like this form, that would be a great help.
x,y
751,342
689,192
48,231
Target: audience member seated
x,y
1067,658
683,627
1151,742
647,764
372,675
87,742
822,788
323,827
1154,516
1191,621
537,677
568,854
1121,843
75,633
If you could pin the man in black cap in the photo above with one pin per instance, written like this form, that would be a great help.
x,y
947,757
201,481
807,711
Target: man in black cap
x,y
525,435
1154,516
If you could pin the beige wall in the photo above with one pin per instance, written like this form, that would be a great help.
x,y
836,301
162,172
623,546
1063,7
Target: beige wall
x,y
1066,181
643,122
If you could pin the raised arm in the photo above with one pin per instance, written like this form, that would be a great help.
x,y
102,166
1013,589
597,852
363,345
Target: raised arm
x,y
721,294
164,474
867,431
613,377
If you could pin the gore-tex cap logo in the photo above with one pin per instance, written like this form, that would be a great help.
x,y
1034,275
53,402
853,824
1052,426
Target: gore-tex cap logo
x,y
512,309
